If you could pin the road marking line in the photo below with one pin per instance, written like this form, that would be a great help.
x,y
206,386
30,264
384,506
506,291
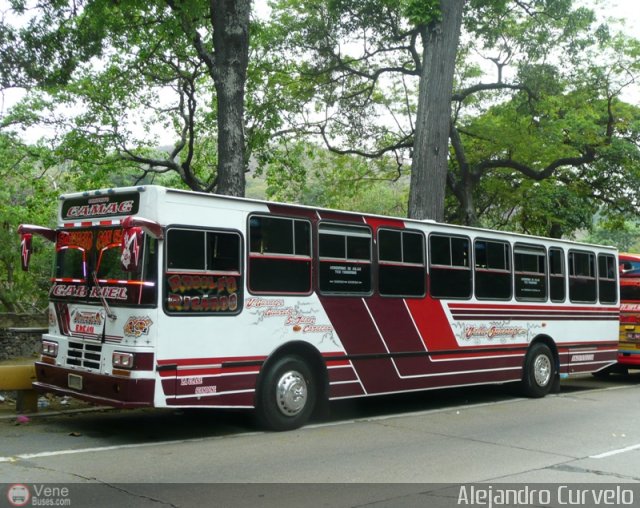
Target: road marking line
x,y
27,456
462,407
615,452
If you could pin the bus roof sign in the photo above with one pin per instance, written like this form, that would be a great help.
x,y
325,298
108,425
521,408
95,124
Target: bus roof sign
x,y
107,205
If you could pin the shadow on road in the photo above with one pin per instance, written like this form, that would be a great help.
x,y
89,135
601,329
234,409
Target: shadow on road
x,y
118,427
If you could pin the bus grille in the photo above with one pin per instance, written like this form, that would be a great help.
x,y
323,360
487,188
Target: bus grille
x,y
84,355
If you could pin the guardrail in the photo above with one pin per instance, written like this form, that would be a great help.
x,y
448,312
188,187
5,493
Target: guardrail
x,y
18,377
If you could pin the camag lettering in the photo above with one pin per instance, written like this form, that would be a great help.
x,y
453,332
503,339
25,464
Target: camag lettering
x,y
100,209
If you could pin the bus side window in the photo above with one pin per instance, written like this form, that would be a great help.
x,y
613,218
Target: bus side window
x,y
223,252
449,266
344,253
279,255
401,267
530,268
607,283
582,277
185,249
557,275
492,269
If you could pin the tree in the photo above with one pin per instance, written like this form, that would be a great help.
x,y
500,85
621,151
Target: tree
x,y
440,31
563,123
25,196
226,61
363,59
142,49
526,119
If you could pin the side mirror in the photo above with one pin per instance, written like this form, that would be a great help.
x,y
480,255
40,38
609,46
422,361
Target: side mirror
x,y
26,232
25,250
131,247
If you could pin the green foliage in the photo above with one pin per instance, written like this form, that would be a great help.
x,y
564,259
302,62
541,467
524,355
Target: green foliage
x,y
422,12
308,174
28,195
547,208
115,80
620,233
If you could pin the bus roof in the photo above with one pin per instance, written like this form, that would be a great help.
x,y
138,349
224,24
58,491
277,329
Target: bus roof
x,y
162,189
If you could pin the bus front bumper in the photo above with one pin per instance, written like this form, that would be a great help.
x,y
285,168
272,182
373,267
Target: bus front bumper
x,y
101,389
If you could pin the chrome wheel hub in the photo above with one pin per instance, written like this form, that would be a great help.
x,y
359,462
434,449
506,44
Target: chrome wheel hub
x,y
542,370
291,393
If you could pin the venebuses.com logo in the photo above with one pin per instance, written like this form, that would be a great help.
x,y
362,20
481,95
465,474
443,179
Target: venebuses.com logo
x,y
20,494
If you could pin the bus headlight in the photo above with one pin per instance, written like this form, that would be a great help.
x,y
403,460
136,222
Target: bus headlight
x,y
122,360
49,348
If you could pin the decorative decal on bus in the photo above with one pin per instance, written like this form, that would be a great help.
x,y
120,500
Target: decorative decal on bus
x,y
494,331
86,321
295,316
77,239
100,206
202,293
137,326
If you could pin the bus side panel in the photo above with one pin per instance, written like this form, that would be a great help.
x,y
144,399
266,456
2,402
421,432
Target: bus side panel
x,y
375,329
215,360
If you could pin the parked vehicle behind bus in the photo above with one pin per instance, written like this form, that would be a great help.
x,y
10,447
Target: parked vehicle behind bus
x,y
171,298
629,346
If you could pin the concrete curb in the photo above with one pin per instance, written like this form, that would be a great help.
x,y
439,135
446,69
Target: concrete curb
x,y
42,414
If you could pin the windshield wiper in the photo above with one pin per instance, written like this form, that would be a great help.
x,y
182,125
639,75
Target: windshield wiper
x,y
110,313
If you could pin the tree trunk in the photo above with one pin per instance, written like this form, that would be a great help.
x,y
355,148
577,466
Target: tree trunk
x,y
231,42
430,149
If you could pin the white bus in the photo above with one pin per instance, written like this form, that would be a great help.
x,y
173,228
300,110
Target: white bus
x,y
171,298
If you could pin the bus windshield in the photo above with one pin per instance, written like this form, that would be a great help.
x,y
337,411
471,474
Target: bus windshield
x,y
88,268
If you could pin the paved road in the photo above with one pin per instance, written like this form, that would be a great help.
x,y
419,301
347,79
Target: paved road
x,y
587,434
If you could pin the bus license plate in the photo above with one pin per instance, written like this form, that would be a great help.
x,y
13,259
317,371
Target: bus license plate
x,y
75,382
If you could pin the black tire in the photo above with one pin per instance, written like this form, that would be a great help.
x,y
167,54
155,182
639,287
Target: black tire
x,y
539,371
287,395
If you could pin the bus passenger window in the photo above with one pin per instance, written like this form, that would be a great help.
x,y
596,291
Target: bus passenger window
x,y
344,259
185,249
582,277
279,255
607,283
530,266
449,267
401,267
223,252
557,275
492,270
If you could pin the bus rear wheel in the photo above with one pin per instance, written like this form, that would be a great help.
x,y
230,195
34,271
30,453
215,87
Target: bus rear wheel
x,y
539,371
287,395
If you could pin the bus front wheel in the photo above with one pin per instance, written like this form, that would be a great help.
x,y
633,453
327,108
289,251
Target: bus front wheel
x,y
539,371
287,395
